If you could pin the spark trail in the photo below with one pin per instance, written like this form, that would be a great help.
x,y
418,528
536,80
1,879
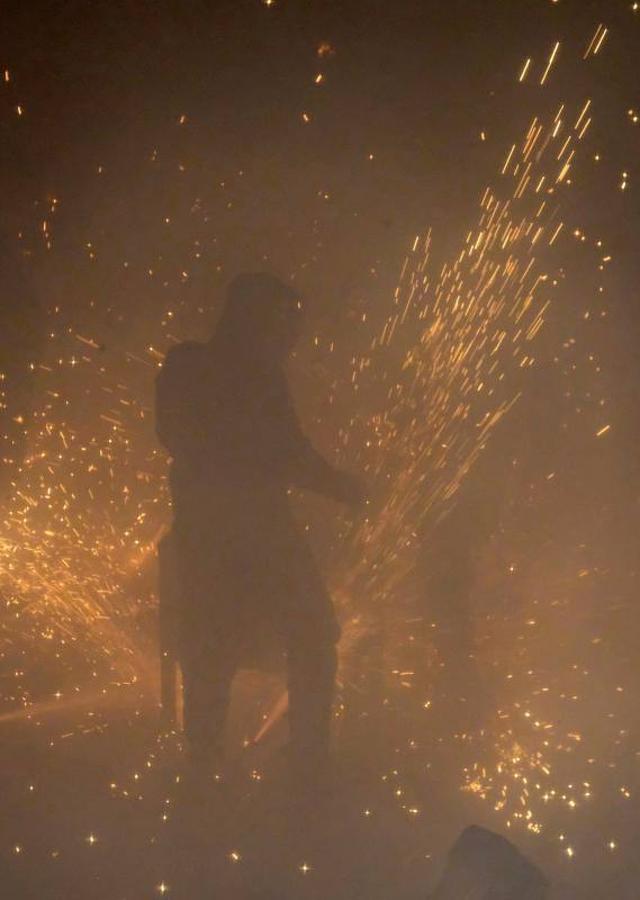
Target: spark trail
x,y
476,325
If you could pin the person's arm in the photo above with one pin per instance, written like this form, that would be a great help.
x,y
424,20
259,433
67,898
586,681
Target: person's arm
x,y
306,467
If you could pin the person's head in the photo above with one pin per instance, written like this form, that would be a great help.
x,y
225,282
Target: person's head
x,y
261,313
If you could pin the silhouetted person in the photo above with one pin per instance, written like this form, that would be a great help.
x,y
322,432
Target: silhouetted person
x,y
225,414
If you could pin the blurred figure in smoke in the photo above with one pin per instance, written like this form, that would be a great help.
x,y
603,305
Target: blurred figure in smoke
x,y
225,414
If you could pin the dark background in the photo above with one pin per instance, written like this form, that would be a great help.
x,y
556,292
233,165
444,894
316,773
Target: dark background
x,y
414,84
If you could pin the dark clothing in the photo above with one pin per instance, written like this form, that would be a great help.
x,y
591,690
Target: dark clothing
x,y
244,567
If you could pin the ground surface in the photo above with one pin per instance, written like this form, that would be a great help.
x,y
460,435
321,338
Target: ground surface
x,y
95,806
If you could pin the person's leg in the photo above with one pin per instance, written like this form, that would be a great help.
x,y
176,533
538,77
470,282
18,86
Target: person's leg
x,y
206,649
207,675
312,664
